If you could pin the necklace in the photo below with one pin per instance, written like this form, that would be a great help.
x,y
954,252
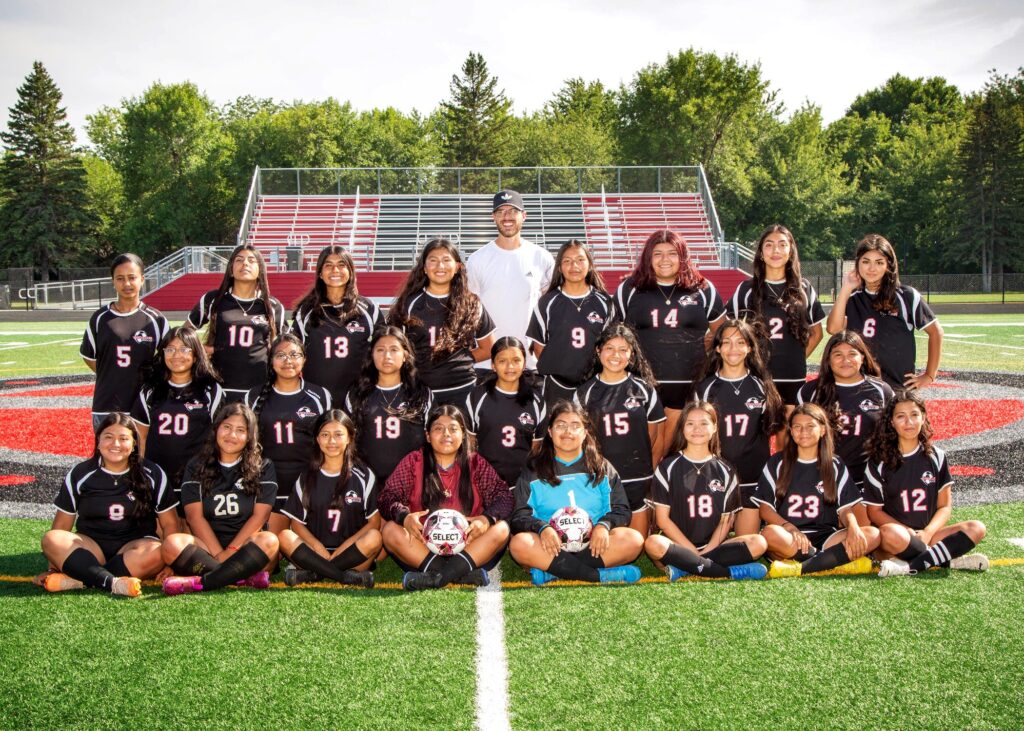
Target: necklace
x,y
242,307
389,404
581,300
776,294
668,297
737,386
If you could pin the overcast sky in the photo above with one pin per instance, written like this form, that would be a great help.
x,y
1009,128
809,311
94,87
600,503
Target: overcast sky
x,y
403,54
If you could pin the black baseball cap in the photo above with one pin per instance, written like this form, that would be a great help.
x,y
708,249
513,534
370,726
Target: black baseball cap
x,y
508,198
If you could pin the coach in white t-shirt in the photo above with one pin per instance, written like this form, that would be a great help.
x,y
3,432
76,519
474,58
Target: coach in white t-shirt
x,y
510,273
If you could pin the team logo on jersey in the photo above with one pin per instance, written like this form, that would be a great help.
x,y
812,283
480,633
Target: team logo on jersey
x,y
355,327
594,317
526,420
928,478
689,299
131,497
820,487
193,405
141,336
868,405
716,486
305,412
753,403
352,497
239,485
258,319
632,403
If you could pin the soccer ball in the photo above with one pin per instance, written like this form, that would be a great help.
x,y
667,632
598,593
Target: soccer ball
x,y
445,531
573,526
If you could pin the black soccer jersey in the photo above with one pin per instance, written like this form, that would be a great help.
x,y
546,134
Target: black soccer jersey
x,y
909,494
862,404
890,335
103,507
804,504
697,494
227,506
671,323
621,413
741,405
384,434
120,344
788,355
568,328
242,344
332,526
286,424
505,429
456,370
177,425
335,349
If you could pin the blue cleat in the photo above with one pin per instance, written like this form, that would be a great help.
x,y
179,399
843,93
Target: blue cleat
x,y
539,578
628,574
753,570
675,574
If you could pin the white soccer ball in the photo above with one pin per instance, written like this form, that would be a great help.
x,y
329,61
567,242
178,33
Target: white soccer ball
x,y
445,531
573,526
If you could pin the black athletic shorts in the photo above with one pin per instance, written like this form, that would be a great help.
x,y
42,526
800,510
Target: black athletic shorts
x,y
675,395
111,548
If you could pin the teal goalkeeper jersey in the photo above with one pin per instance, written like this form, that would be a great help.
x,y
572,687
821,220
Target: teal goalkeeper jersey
x,y
536,501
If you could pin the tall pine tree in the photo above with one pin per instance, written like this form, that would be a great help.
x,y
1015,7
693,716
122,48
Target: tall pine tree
x,y
475,121
45,218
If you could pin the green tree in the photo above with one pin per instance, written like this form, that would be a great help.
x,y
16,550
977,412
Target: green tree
x,y
45,219
474,122
106,201
895,99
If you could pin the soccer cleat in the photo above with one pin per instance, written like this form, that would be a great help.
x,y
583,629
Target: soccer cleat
x,y
752,570
784,569
893,567
126,586
628,574
259,580
293,576
357,578
539,577
675,574
174,585
970,562
476,577
57,581
419,580
860,566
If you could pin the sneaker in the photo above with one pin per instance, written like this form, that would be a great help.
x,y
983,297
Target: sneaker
x,y
893,567
752,570
293,576
357,578
476,577
675,574
126,586
784,569
259,580
57,581
970,562
861,566
419,580
539,578
628,574
174,585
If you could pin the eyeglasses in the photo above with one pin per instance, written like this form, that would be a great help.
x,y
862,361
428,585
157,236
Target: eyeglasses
x,y
562,427
294,355
440,429
184,350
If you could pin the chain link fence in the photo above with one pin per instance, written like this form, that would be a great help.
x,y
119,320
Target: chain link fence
x,y
826,277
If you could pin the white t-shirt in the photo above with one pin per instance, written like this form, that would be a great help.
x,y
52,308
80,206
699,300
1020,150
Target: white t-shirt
x,y
509,283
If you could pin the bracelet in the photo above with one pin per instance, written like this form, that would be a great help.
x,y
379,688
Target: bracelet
x,y
232,548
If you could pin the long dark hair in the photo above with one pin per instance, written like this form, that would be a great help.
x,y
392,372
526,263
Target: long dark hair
x,y
262,292
416,392
315,301
774,409
679,439
252,454
156,376
885,301
826,455
127,258
643,274
793,299
463,316
271,379
349,459
542,459
527,381
884,444
433,489
136,481
594,278
825,389
638,364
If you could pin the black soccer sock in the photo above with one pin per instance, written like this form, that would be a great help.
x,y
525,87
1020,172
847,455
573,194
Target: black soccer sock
x,y
691,563
914,549
825,560
942,552
455,567
349,558
567,566
247,561
585,558
730,554
305,557
82,565
430,560
194,561
117,566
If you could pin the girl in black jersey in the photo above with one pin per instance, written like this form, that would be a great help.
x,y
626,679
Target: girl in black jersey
x,y
696,497
806,500
243,320
335,526
335,324
388,404
113,501
567,321
784,305
623,404
120,339
447,325
228,492
286,409
737,382
174,410
908,491
873,303
850,392
506,414
675,311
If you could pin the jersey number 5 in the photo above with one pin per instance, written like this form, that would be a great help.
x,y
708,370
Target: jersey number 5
x,y
124,355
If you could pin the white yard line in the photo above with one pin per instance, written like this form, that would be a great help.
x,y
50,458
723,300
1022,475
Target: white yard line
x,y
1018,542
491,662
41,332
946,325
17,346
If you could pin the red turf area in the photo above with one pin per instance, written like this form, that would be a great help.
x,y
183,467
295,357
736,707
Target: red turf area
x,y
52,392
50,431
